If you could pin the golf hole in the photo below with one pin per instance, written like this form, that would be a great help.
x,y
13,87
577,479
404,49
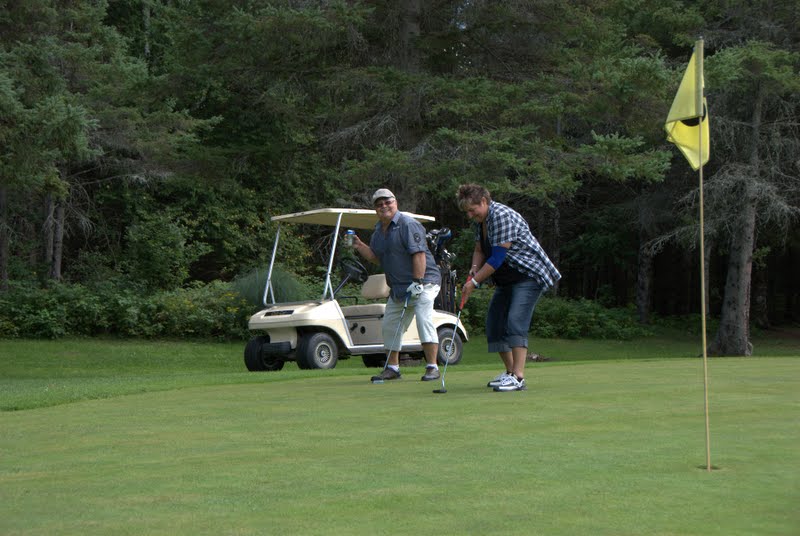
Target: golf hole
x,y
713,467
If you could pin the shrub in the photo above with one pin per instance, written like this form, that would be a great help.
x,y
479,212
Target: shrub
x,y
220,310
286,286
31,312
215,310
562,318
689,324
159,252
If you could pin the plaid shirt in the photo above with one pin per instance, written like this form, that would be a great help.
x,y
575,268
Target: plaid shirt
x,y
504,224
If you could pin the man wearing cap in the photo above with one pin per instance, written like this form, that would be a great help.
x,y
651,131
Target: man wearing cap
x,y
398,244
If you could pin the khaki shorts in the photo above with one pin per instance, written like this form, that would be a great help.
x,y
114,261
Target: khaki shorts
x,y
420,308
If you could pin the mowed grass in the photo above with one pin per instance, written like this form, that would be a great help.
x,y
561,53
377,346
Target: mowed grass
x,y
175,438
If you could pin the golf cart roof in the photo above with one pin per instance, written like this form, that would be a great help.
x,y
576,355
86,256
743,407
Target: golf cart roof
x,y
352,218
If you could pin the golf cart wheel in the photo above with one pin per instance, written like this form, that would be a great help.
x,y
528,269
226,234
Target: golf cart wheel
x,y
256,360
445,340
317,351
374,360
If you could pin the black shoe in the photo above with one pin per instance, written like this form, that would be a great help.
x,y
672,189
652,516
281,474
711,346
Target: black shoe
x,y
387,374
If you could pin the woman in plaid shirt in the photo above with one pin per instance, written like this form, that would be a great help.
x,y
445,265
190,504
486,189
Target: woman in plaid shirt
x,y
506,252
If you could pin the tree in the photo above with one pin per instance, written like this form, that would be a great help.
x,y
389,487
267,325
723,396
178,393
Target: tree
x,y
91,113
757,138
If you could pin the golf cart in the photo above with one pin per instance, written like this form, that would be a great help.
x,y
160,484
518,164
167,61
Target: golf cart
x,y
317,333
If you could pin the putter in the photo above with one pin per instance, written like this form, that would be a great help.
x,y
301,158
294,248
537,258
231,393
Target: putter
x,y
376,379
452,345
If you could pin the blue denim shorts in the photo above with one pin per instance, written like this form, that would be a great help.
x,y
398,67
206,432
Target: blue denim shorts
x,y
509,317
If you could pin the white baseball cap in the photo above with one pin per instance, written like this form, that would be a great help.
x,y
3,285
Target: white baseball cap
x,y
381,193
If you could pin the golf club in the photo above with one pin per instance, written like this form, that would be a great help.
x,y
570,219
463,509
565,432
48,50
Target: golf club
x,y
378,379
450,349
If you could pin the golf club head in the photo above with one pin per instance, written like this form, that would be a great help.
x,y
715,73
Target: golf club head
x,y
377,380
440,391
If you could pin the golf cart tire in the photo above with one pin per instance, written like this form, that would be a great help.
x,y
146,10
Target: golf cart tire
x,y
317,351
256,360
445,333
374,360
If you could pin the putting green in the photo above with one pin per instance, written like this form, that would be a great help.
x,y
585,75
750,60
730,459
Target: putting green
x,y
590,448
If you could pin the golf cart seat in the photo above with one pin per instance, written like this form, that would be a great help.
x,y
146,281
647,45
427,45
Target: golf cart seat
x,y
374,288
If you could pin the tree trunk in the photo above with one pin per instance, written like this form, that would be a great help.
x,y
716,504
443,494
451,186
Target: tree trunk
x,y
644,282
409,34
733,335
146,25
709,247
759,311
791,304
555,248
48,230
410,113
4,246
58,243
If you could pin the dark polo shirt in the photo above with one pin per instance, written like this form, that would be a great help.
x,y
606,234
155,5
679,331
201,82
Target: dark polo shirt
x,y
404,237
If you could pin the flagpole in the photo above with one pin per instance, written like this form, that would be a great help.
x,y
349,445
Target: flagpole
x,y
699,105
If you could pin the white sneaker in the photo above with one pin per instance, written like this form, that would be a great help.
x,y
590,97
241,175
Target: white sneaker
x,y
511,383
498,379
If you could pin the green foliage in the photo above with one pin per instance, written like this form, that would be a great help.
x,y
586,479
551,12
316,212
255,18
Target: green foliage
x,y
285,285
382,165
753,64
158,252
53,312
574,319
606,240
169,132
508,160
690,324
63,129
662,22
566,319
213,311
226,219
626,90
621,159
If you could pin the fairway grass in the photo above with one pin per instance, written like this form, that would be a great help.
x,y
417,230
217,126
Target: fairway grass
x,y
615,447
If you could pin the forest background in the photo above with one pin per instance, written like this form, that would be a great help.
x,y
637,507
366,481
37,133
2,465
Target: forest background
x,y
145,144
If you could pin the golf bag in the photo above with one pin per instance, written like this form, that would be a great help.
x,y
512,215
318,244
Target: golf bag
x,y
446,300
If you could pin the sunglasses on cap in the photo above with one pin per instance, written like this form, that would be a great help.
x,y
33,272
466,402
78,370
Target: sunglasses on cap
x,y
381,202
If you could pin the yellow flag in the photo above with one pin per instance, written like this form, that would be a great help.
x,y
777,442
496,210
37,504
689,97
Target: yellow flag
x,y
687,122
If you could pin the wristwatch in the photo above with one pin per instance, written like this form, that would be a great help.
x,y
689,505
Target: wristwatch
x,y
420,280
475,282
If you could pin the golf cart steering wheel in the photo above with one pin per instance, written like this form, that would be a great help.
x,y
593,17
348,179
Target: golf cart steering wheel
x,y
354,269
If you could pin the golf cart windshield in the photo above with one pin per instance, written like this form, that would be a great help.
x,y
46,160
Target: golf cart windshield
x,y
349,218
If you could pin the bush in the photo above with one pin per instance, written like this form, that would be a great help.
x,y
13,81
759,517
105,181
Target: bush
x,y
286,286
220,311
574,319
28,311
689,324
562,318
215,310
159,252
